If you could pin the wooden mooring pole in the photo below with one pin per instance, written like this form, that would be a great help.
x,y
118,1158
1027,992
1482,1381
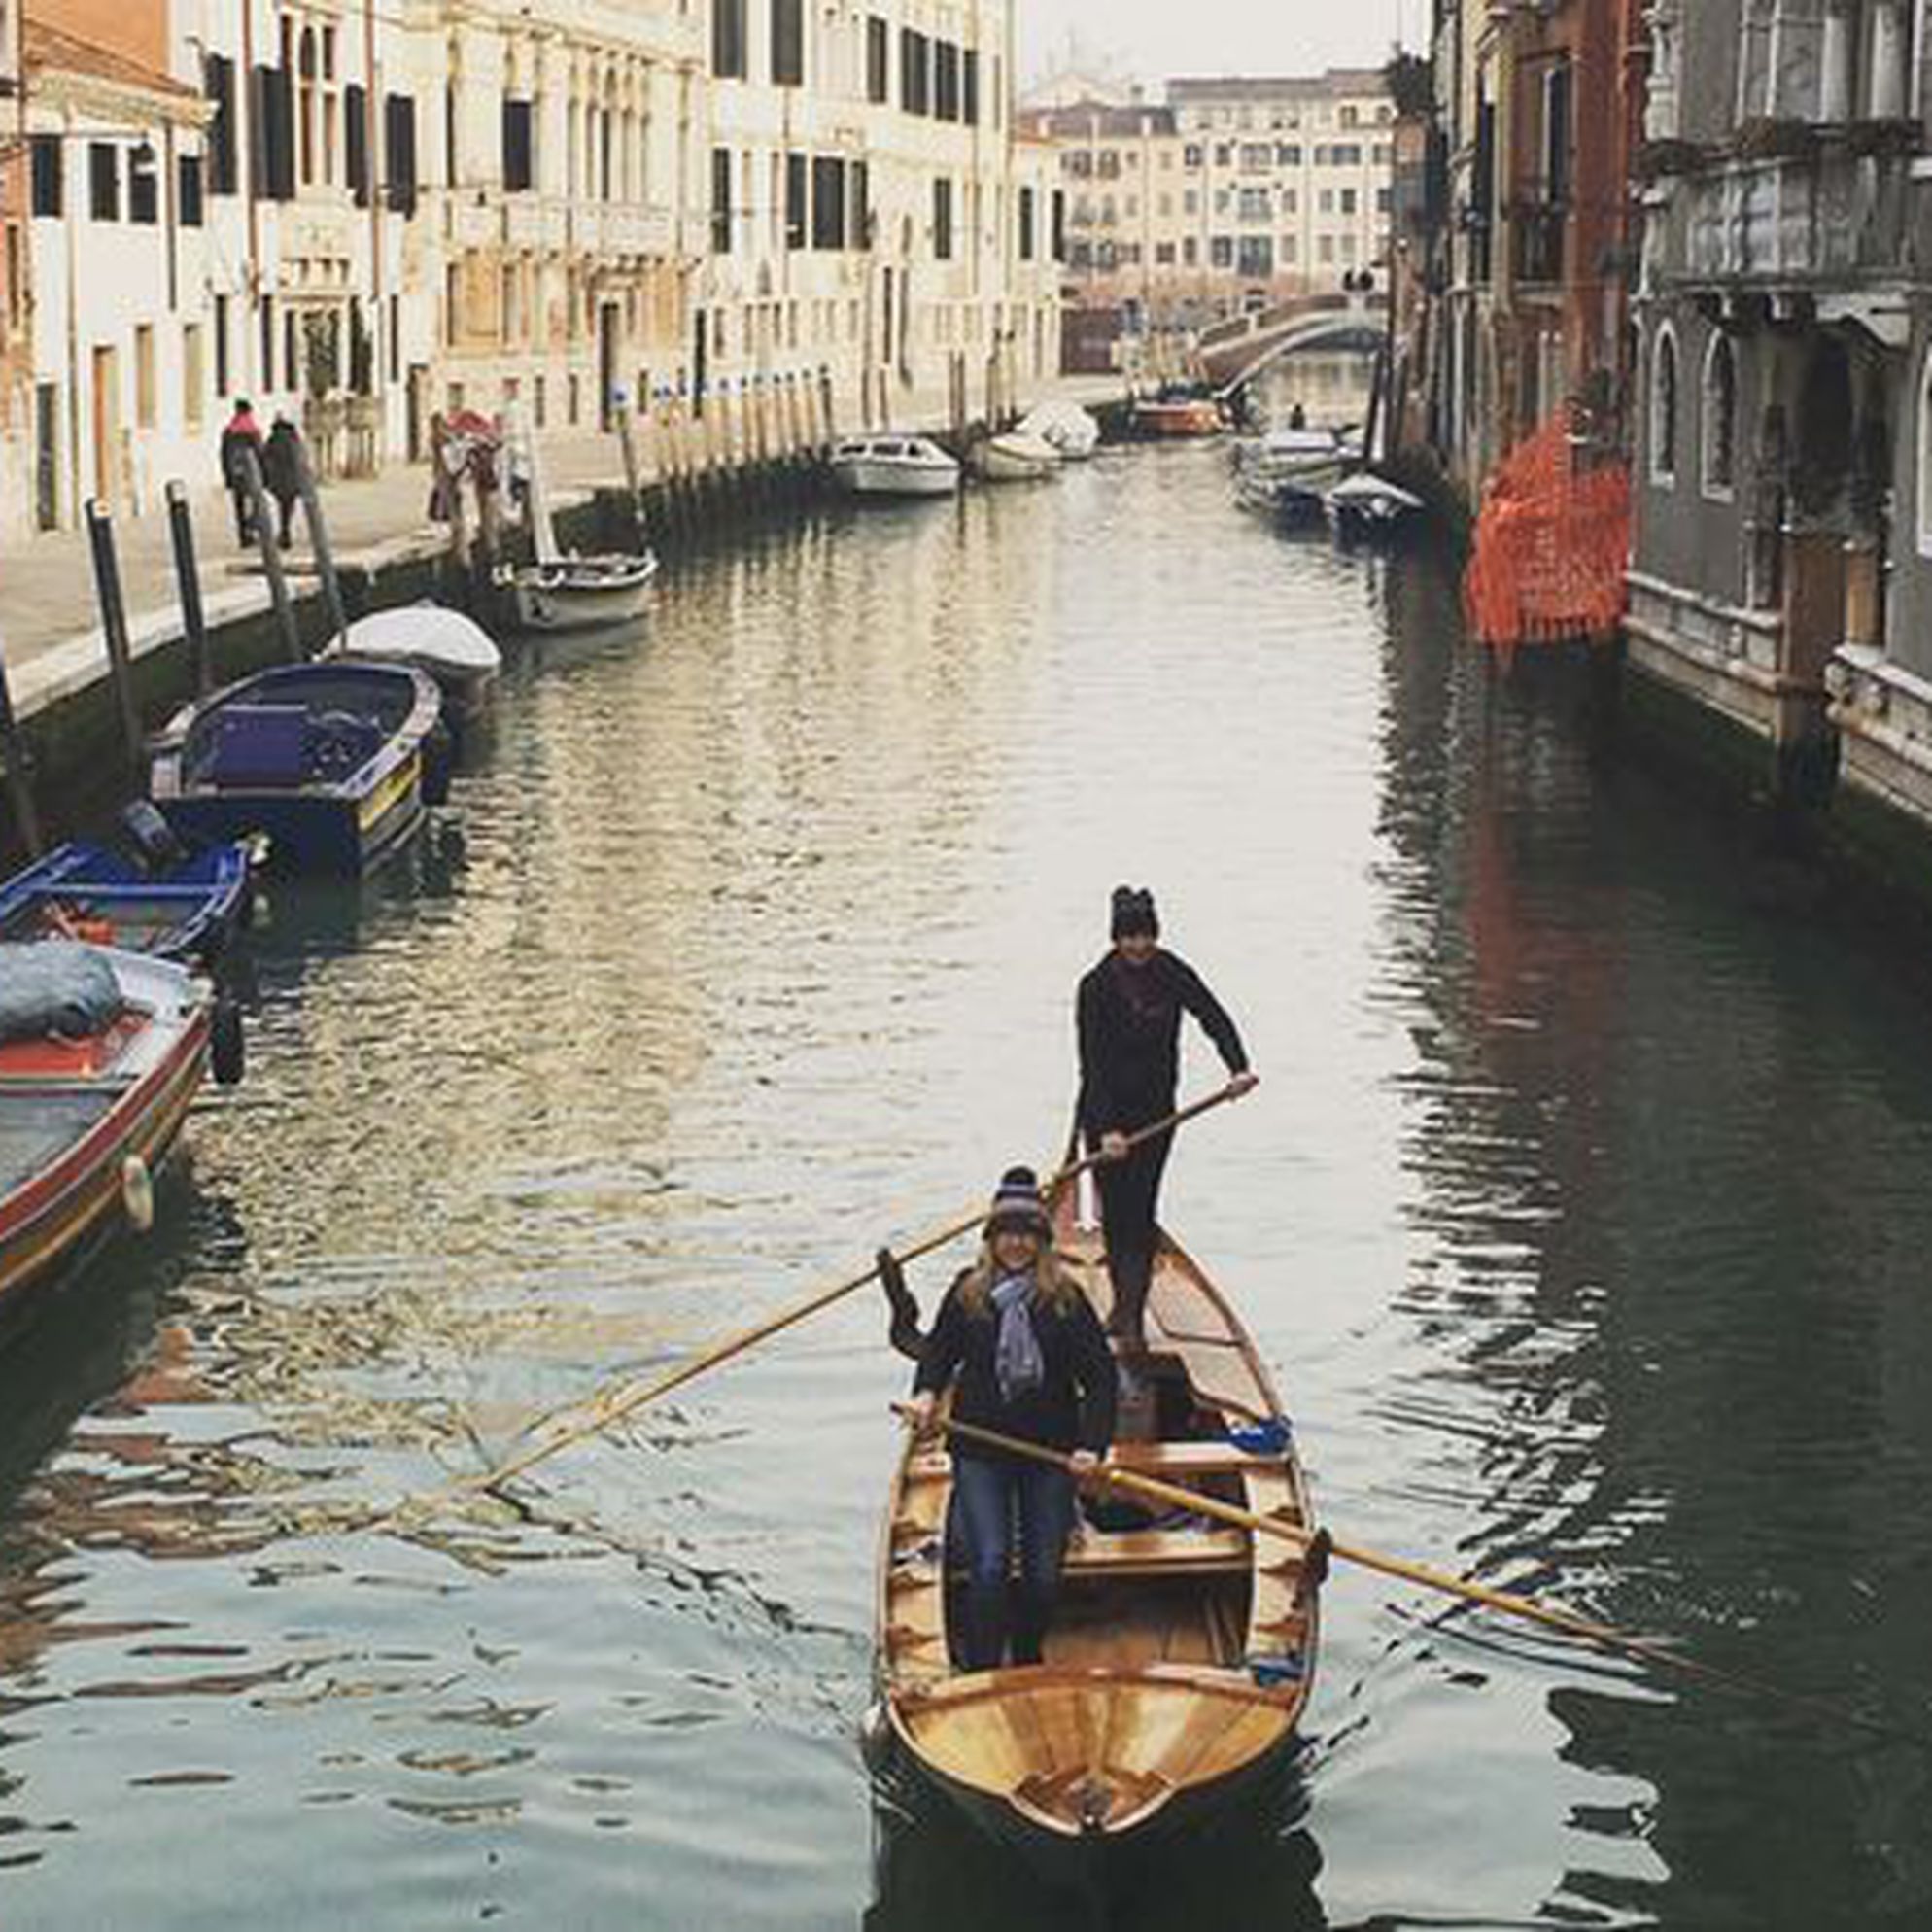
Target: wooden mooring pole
x,y
188,580
113,627
249,463
318,527
20,769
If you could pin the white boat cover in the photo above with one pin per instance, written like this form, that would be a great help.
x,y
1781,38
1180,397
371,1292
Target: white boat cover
x,y
424,634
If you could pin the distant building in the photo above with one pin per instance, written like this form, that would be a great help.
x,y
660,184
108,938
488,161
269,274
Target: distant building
x,y
1233,195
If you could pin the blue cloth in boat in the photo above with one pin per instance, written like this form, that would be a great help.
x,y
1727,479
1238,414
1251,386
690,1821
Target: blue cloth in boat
x,y
258,746
55,987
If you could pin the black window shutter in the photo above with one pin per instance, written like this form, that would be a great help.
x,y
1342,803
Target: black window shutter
x,y
356,141
970,86
257,134
281,133
45,150
190,175
218,85
519,154
795,182
399,140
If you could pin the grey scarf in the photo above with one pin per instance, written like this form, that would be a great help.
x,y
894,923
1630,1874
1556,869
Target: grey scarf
x,y
1017,1357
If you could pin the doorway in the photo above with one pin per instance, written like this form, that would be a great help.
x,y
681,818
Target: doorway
x,y
107,424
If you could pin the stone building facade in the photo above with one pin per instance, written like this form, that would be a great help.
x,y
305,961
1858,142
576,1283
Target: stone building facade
x,y
1782,570
357,216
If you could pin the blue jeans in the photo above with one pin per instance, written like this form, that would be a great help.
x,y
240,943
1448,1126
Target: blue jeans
x,y
1009,1509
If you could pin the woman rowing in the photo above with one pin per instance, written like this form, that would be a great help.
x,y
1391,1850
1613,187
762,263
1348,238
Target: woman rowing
x,y
1025,1356
1128,1016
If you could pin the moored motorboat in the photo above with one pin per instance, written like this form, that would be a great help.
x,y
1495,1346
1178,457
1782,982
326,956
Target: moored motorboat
x,y
143,890
101,1052
1176,416
453,648
888,464
1369,506
1289,473
1183,1654
1014,455
333,761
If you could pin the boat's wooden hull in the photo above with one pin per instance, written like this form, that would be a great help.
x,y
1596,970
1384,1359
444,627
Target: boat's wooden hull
x,y
54,1210
1183,1654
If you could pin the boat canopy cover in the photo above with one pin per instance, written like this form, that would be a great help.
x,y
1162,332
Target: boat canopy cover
x,y
55,987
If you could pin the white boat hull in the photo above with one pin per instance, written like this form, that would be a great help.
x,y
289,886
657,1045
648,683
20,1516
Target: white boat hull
x,y
581,592
875,476
1014,460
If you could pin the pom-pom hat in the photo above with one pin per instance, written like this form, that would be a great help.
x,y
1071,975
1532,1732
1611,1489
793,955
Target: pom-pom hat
x,y
1017,1203
1133,913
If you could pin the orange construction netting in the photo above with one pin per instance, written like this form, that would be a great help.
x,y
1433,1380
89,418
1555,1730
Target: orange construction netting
x,y
1551,544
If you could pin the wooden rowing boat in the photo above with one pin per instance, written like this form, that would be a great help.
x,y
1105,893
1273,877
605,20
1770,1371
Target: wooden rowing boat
x,y
1183,1651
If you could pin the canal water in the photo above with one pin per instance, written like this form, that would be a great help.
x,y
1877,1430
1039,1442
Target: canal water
x,y
1582,1210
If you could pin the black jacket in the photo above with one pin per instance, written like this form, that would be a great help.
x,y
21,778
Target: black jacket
x,y
278,463
1072,1405
1130,1023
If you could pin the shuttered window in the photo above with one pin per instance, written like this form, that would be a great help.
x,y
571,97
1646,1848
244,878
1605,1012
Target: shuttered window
x,y
828,202
728,38
189,178
519,148
355,142
45,150
720,200
399,115
788,42
877,59
942,218
218,84
795,185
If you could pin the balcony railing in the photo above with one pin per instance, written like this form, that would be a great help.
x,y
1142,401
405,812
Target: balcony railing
x,y
1827,217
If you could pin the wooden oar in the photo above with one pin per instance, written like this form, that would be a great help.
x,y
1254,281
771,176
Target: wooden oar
x,y
580,1421
1322,1546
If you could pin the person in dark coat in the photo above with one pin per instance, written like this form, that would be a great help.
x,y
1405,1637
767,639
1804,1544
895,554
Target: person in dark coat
x,y
281,471
1023,1353
1128,1016
242,431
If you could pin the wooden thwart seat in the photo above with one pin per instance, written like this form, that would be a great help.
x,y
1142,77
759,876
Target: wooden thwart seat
x,y
1157,1553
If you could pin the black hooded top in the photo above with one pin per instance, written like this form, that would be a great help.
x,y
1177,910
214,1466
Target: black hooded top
x,y
1129,1024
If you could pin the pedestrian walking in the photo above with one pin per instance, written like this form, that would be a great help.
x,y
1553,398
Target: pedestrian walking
x,y
241,432
282,472
1128,1016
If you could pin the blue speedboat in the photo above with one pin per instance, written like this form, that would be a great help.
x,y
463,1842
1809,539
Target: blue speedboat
x,y
146,891
332,761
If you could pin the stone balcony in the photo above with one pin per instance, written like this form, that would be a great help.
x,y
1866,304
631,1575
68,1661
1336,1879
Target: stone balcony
x,y
1830,217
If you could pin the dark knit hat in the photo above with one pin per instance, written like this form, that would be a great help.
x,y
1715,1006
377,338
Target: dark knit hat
x,y
1017,1203
1133,913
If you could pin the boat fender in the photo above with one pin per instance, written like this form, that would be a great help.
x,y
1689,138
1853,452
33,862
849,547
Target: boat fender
x,y
137,1193
227,1049
438,755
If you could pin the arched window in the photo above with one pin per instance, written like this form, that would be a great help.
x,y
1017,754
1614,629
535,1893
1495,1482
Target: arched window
x,y
1720,417
1663,408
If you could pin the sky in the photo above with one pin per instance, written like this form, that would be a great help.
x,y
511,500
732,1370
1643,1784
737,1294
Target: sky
x,y
1151,40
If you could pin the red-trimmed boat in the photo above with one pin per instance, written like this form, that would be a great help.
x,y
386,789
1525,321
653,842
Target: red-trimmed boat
x,y
92,1104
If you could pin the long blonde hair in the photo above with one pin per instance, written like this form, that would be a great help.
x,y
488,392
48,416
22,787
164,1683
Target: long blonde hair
x,y
1053,1284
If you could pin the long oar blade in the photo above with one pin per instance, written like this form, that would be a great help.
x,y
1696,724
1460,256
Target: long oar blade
x,y
580,1421
1569,1622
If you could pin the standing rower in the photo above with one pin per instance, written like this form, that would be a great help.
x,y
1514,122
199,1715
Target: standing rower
x,y
1129,1014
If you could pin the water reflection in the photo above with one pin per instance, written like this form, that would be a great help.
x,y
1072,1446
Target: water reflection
x,y
1580,1209
934,1871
